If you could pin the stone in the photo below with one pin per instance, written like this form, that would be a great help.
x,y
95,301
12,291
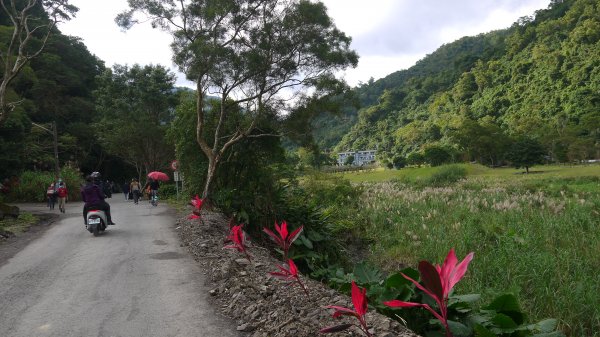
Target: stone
x,y
246,327
242,262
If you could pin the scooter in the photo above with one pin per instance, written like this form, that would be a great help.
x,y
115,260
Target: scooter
x,y
95,221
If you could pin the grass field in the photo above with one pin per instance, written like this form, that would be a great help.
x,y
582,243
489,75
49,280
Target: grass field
x,y
535,235
414,173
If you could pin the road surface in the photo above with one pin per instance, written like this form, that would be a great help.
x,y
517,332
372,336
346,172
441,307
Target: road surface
x,y
133,280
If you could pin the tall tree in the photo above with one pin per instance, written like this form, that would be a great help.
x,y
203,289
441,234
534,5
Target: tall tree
x,y
32,23
258,55
526,152
136,105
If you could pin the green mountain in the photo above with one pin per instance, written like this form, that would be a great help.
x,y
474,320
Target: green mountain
x,y
538,79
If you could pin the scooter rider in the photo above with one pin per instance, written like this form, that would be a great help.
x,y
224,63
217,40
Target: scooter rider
x,y
94,198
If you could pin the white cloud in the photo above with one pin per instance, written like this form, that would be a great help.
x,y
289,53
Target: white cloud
x,y
405,30
389,35
141,44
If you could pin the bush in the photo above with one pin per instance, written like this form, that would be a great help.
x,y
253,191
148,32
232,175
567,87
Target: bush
x,y
446,175
168,191
398,162
436,155
415,158
33,185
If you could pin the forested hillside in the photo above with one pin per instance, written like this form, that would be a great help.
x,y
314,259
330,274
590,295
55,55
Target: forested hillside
x,y
96,110
56,86
473,98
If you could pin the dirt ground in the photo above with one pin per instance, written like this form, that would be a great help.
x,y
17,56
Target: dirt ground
x,y
260,304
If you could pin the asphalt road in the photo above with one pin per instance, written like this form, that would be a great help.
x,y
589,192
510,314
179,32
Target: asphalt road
x,y
133,280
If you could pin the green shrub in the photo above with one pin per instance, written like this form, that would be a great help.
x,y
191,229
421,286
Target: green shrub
x,y
168,191
446,175
436,155
33,185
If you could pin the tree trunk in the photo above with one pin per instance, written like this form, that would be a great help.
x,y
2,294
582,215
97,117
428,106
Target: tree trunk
x,y
4,109
210,175
527,169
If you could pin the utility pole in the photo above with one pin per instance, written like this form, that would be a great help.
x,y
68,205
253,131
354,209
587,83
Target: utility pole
x,y
54,133
56,166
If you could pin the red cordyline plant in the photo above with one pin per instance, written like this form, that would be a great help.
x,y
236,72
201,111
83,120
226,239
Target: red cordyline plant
x,y
438,282
284,241
290,274
359,300
238,237
197,203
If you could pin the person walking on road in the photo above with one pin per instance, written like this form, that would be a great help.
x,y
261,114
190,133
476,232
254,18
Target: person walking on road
x,y
51,193
62,196
125,188
135,189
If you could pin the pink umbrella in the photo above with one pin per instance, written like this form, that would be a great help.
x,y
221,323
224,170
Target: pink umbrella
x,y
158,176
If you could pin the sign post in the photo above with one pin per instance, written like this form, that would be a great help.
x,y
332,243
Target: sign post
x,y
176,177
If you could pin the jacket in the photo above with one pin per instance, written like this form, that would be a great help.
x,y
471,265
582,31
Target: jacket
x,y
91,194
62,192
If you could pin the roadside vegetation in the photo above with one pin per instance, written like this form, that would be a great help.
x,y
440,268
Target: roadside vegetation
x,y
14,226
535,236
414,174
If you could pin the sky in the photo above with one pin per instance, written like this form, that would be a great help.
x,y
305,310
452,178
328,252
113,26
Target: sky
x,y
388,35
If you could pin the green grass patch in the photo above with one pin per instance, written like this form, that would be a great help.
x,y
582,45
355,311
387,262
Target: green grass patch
x,y
535,235
415,173
18,225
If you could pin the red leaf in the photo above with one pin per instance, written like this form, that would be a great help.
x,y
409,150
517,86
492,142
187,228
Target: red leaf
x,y
197,202
238,237
425,290
273,237
336,328
446,269
401,304
282,229
458,272
359,299
295,234
339,311
293,269
431,279
434,313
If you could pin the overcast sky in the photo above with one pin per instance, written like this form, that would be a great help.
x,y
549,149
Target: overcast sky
x,y
389,35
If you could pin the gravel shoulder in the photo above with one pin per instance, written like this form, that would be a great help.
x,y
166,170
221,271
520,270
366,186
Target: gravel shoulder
x,y
261,305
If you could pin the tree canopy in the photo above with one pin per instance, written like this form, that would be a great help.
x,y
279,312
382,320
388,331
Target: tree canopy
x,y
29,24
136,104
259,56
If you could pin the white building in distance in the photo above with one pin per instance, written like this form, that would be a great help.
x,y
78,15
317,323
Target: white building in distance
x,y
360,157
